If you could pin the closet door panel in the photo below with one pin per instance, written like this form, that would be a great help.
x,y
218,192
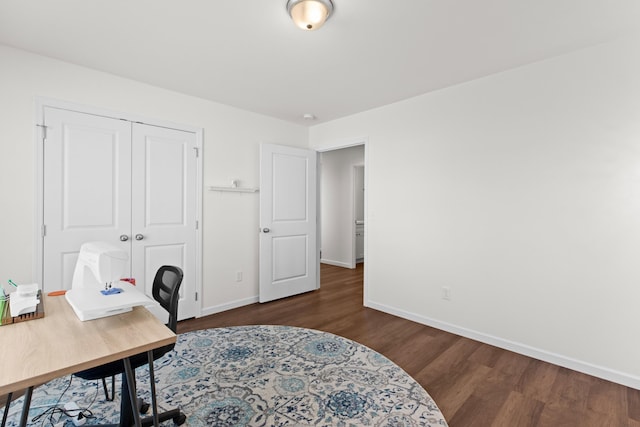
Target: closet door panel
x,y
87,188
164,206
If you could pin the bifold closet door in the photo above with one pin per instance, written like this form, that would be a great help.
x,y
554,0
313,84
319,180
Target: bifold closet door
x,y
87,188
129,184
164,207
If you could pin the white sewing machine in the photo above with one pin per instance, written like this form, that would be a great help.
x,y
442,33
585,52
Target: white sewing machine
x,y
99,268
99,264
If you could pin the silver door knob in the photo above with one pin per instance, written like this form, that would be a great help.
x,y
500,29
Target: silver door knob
x,y
265,230
139,237
124,237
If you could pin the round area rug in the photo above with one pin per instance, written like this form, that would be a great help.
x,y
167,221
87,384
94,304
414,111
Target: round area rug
x,y
264,376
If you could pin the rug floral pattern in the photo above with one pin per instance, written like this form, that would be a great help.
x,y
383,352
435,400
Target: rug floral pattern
x,y
269,376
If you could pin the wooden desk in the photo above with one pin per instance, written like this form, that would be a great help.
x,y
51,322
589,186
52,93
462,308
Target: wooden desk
x,y
59,344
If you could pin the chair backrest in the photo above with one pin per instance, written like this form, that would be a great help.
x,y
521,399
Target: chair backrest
x,y
166,288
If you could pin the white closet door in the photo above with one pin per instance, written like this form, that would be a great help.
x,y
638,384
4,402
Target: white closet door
x,y
164,207
87,188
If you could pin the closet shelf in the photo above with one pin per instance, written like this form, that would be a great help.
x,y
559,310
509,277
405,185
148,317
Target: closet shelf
x,y
235,189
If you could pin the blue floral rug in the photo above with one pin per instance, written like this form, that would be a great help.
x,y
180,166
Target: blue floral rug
x,y
263,376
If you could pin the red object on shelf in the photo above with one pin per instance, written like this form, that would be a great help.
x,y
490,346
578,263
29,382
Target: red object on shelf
x,y
57,293
131,280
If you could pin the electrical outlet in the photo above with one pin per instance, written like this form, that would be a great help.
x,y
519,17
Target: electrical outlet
x,y
238,276
446,293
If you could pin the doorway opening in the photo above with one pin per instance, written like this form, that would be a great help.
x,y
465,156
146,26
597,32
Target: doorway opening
x,y
342,206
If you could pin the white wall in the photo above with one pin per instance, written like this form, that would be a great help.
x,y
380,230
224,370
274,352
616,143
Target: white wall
x,y
520,192
337,204
231,148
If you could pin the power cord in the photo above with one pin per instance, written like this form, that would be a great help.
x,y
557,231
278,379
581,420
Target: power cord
x,y
78,415
52,410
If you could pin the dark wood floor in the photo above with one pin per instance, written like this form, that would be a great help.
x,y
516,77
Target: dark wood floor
x,y
474,384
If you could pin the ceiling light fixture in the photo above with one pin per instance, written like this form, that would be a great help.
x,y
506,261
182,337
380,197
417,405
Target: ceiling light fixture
x,y
309,14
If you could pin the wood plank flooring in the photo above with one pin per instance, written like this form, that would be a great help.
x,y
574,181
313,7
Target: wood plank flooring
x,y
474,384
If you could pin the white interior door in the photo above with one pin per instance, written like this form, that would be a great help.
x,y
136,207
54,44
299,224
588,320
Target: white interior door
x,y
87,188
130,184
289,262
164,208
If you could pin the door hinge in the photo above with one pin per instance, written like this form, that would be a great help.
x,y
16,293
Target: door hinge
x,y
196,296
197,151
44,131
197,225
43,230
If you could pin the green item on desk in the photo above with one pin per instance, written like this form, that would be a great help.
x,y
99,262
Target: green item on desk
x,y
3,304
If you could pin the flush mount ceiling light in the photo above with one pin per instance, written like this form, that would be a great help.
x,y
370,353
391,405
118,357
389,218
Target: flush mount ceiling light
x,y
309,14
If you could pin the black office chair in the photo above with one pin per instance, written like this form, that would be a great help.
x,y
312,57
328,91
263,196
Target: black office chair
x,y
166,287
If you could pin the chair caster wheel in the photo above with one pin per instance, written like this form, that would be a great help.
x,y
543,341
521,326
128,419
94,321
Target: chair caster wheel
x,y
179,419
144,408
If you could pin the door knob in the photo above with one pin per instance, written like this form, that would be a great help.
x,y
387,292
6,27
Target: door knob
x,y
265,230
124,237
139,237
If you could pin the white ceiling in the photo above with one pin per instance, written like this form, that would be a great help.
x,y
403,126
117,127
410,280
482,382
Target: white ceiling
x,y
248,54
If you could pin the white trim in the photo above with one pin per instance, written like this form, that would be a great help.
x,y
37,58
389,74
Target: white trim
x,y
354,227
229,306
97,111
618,377
40,104
39,202
199,132
336,263
343,143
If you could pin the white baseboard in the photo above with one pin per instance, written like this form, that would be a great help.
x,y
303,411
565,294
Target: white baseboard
x,y
228,306
556,359
336,263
